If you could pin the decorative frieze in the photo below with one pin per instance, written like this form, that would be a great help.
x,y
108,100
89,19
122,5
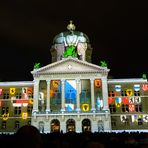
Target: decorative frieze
x,y
70,76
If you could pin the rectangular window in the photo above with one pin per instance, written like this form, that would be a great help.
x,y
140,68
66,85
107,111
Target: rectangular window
x,y
125,108
5,110
6,96
17,110
30,96
17,125
138,108
112,108
18,95
136,93
140,121
29,109
123,93
113,123
111,93
127,123
4,125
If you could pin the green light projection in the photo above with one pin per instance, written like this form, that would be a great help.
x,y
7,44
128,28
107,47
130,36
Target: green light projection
x,y
36,65
70,51
144,76
103,63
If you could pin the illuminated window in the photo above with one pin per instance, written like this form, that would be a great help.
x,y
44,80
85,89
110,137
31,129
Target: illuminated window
x,y
85,96
56,97
3,125
17,110
70,96
6,96
17,124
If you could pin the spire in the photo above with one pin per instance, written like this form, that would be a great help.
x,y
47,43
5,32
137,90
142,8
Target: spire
x,y
71,27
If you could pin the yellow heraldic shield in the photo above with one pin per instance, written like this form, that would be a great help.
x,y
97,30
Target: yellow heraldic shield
x,y
24,115
85,107
5,116
129,92
12,91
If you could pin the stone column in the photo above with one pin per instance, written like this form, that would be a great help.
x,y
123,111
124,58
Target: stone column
x,y
92,95
78,94
63,96
78,126
94,126
36,96
63,126
105,93
48,97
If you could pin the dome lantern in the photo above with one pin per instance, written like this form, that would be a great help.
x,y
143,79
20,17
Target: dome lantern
x,y
71,27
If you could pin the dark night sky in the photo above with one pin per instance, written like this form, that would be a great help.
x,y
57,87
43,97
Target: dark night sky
x,y
118,32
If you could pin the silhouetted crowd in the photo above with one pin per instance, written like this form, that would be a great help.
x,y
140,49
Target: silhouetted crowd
x,y
30,137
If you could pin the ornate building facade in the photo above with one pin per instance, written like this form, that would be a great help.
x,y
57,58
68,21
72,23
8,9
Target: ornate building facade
x,y
72,94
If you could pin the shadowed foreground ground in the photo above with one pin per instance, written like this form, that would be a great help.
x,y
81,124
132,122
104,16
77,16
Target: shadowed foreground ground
x,y
29,137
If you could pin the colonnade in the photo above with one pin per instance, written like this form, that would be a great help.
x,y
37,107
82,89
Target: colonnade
x,y
104,95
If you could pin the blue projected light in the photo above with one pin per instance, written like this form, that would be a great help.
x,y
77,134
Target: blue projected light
x,y
69,107
70,91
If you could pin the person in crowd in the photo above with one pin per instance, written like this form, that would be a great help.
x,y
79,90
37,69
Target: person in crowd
x,y
28,136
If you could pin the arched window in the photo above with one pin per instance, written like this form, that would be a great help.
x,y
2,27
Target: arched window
x,y
70,125
86,125
55,125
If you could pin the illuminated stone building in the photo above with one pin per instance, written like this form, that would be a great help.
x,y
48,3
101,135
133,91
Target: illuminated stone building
x,y
72,94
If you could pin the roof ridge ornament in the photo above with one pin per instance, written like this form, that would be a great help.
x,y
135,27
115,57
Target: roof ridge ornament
x,y
71,27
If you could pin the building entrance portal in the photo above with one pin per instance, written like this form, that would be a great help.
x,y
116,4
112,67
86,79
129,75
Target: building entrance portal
x,y
86,125
55,125
70,125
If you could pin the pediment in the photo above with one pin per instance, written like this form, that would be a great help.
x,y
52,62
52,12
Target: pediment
x,y
70,65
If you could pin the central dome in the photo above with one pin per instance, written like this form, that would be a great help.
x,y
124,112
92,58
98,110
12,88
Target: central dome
x,y
71,37
71,43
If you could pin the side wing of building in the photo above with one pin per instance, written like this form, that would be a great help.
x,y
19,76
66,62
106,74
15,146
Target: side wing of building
x,y
128,104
